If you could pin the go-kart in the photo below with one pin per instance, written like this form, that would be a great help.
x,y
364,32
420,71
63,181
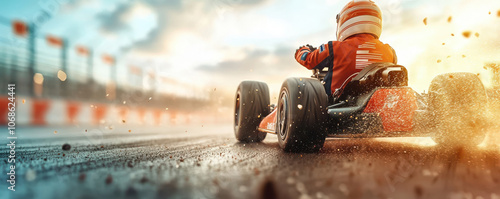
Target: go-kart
x,y
376,102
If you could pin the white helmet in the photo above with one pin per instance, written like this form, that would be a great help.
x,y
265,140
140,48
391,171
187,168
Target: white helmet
x,y
359,16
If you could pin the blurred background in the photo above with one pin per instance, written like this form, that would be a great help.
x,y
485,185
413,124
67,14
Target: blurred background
x,y
180,61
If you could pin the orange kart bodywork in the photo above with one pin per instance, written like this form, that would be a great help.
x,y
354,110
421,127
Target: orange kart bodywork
x,y
392,109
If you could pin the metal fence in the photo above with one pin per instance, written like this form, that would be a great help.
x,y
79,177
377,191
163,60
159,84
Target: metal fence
x,y
41,71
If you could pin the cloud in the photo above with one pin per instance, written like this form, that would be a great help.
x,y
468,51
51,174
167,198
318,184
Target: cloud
x,y
196,16
115,21
258,64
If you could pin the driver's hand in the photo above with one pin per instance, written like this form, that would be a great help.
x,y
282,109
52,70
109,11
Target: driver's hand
x,y
311,48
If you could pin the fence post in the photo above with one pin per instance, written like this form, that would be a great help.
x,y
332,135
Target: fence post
x,y
64,67
32,58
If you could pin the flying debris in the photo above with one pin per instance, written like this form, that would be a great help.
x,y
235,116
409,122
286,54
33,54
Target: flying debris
x,y
466,34
66,147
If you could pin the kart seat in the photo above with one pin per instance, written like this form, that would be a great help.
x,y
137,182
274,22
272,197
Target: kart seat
x,y
376,75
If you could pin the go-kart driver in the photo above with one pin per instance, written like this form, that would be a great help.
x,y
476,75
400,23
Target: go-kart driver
x,y
359,26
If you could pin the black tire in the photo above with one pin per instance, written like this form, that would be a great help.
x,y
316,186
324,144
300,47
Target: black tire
x,y
458,103
251,106
302,117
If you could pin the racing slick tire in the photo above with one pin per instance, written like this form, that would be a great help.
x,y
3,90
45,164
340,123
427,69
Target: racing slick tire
x,y
301,116
252,104
458,105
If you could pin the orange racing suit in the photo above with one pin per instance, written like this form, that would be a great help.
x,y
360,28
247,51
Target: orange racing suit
x,y
345,59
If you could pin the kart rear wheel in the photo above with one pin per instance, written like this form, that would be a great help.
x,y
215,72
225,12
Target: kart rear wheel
x,y
301,115
251,106
458,103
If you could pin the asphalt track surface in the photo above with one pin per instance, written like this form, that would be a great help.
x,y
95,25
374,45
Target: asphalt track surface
x,y
207,162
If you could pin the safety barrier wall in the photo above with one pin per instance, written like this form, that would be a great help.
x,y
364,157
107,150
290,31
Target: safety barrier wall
x,y
40,112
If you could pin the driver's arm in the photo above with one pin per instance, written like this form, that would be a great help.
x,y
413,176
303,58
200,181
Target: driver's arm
x,y
314,58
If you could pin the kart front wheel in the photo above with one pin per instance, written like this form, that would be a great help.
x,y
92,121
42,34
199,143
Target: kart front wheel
x,y
458,103
301,115
251,105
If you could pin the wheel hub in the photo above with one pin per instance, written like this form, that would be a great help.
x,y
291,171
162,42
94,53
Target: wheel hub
x,y
282,115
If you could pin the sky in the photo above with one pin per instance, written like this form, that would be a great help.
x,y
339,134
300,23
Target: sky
x,y
196,48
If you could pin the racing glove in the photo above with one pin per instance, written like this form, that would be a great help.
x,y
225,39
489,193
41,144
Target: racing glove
x,y
306,47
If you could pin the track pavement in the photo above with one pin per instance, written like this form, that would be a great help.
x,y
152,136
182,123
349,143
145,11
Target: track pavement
x,y
207,162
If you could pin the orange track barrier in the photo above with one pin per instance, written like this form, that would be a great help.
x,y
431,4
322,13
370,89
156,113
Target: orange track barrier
x,y
157,116
4,109
123,112
72,110
39,111
141,112
99,112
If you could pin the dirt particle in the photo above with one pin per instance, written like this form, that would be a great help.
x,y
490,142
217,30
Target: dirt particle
x,y
66,147
449,19
45,159
129,130
498,13
55,132
102,146
425,21
170,157
329,182
443,44
85,130
452,34
109,179
418,191
435,179
451,76
144,180
268,190
64,154
256,171
476,34
438,61
123,121
130,165
131,191
82,177
351,174
181,160
466,34
463,56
